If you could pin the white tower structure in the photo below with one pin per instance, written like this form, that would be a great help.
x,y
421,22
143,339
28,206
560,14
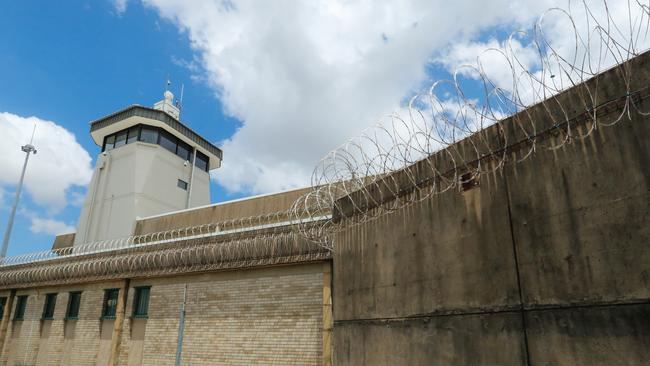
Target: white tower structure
x,y
150,164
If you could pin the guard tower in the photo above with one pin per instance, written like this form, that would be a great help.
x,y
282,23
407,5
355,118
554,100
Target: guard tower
x,y
150,164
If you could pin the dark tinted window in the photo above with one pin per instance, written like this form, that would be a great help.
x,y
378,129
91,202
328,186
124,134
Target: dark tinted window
x,y
3,302
110,303
168,141
155,135
201,161
120,139
183,150
21,304
182,184
74,301
110,143
48,307
134,133
149,135
141,301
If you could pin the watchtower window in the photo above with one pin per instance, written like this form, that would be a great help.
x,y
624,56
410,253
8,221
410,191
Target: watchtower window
x,y
168,141
155,135
134,134
110,143
183,150
149,134
202,161
120,139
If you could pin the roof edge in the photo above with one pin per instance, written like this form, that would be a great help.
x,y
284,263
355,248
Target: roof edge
x,y
137,110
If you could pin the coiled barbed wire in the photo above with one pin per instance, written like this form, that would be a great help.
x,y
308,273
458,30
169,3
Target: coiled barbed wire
x,y
238,243
484,117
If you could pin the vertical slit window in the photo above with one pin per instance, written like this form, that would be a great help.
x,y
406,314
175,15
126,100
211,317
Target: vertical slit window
x,y
109,144
74,301
168,141
21,304
3,303
109,307
141,302
48,307
183,150
134,134
202,161
120,139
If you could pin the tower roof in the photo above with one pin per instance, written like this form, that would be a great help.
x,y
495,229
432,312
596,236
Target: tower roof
x,y
136,114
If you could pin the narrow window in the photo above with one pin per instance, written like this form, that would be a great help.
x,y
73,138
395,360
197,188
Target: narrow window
x,y
134,134
182,184
202,161
149,134
3,303
48,308
141,302
168,141
120,139
74,301
21,304
110,303
183,150
109,144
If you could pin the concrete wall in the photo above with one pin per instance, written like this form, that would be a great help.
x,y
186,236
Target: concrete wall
x,y
546,262
248,207
271,316
133,181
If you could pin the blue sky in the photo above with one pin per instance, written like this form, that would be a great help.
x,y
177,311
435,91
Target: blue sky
x,y
276,84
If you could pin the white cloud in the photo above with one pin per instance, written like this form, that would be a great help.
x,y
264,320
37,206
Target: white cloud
x,y
59,164
50,226
305,76
574,37
120,6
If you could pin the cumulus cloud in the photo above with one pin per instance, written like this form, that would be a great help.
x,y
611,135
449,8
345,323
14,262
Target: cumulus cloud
x,y
49,226
571,34
303,77
60,163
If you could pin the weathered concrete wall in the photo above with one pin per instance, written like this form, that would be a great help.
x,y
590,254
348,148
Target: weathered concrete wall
x,y
256,206
546,262
266,316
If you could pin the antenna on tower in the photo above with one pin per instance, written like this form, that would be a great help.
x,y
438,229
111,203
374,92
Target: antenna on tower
x,y
180,101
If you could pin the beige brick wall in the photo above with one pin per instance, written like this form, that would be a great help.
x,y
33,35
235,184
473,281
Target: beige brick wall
x,y
33,341
263,317
270,316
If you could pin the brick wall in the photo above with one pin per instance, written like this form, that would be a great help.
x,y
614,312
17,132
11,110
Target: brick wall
x,y
33,341
270,316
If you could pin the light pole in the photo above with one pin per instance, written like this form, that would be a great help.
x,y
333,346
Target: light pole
x,y
27,149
